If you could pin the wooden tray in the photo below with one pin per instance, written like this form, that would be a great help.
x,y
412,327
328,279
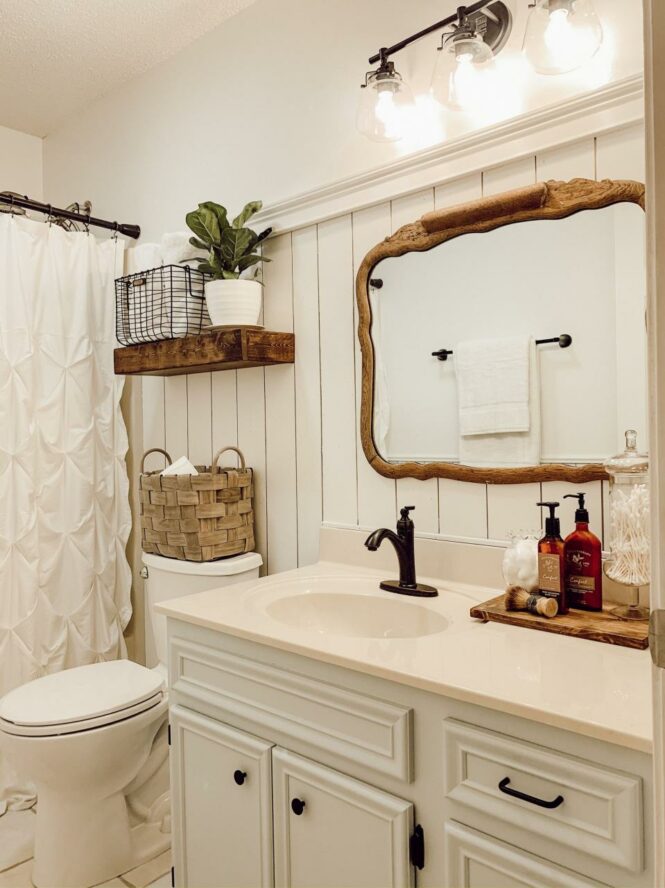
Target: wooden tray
x,y
593,625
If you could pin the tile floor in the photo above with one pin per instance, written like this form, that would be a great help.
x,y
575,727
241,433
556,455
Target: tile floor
x,y
154,874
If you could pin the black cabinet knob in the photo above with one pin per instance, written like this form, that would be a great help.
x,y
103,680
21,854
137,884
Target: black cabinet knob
x,y
297,806
239,777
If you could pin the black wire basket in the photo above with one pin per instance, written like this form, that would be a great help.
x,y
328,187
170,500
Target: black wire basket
x,y
161,303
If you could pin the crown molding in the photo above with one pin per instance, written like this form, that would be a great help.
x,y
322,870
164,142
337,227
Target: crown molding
x,y
611,107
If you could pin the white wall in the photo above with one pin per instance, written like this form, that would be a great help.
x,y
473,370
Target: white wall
x,y
298,425
21,163
264,107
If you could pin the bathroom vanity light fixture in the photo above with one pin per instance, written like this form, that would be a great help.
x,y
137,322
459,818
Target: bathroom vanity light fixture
x,y
384,99
561,35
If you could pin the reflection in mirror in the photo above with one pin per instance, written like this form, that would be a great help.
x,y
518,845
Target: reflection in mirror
x,y
498,400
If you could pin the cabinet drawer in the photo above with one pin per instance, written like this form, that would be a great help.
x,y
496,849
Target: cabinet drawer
x,y
370,732
474,860
593,809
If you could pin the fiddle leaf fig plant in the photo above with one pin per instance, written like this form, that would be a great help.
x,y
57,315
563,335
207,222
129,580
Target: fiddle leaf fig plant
x,y
231,246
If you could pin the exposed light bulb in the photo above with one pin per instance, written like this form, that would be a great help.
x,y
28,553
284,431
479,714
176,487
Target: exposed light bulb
x,y
562,35
383,104
463,72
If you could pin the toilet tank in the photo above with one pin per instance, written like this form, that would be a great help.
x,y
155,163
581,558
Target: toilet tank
x,y
167,578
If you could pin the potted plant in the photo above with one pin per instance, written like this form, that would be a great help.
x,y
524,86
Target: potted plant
x,y
233,295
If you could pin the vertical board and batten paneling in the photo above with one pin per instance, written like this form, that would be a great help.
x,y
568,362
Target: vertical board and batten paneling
x,y
281,482
376,494
424,495
307,392
199,420
298,426
338,380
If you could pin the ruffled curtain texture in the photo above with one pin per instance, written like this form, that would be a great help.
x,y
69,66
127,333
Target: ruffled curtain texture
x,y
64,509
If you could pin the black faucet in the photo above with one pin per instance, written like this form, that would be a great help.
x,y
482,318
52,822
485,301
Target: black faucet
x,y
403,543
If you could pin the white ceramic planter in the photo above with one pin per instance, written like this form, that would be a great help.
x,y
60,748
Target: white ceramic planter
x,y
234,303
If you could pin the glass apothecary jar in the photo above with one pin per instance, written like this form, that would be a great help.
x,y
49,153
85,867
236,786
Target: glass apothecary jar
x,y
520,560
629,541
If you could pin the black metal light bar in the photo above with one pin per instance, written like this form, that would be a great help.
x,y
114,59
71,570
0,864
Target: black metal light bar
x,y
563,341
86,219
461,12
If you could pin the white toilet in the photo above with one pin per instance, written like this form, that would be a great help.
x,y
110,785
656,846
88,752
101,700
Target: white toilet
x,y
84,735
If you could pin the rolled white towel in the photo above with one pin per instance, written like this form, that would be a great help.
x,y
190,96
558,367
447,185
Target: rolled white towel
x,y
142,258
176,248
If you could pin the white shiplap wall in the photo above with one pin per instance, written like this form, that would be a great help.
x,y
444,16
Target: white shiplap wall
x,y
298,425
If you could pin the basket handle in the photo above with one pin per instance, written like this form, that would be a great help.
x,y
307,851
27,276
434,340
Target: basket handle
x,y
154,450
235,449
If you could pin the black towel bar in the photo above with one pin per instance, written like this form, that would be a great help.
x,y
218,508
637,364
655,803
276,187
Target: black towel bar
x,y
563,341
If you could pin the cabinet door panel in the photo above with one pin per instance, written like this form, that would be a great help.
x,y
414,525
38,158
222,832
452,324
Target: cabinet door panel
x,y
222,829
348,833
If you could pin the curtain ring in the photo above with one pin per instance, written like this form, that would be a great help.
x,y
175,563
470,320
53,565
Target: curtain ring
x,y
11,206
49,218
115,231
87,224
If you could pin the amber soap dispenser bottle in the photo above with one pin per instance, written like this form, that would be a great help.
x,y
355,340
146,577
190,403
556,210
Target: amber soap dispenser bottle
x,y
582,555
550,560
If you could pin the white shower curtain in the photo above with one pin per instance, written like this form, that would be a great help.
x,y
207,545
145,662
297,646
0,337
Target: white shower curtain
x,y
64,510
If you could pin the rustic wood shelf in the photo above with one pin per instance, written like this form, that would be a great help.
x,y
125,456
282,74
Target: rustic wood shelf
x,y
220,348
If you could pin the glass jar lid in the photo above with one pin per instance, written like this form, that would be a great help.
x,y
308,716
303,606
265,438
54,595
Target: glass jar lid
x,y
630,461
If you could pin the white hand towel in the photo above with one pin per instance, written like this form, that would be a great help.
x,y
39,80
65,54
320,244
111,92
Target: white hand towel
x,y
181,466
508,449
176,248
493,385
142,258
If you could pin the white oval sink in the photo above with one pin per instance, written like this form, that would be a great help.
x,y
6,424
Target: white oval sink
x,y
356,615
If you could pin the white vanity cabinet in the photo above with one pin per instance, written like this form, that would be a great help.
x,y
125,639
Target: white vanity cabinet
x,y
345,772
330,830
221,804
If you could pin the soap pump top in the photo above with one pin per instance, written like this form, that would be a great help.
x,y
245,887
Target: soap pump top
x,y
581,513
552,524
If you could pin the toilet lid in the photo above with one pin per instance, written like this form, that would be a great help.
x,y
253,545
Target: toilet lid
x,y
81,694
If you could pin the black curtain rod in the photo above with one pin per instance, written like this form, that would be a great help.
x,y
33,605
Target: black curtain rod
x,y
26,203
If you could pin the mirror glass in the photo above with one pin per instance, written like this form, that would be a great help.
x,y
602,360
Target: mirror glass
x,y
583,276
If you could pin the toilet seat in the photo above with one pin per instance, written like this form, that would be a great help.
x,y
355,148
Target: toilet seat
x,y
80,699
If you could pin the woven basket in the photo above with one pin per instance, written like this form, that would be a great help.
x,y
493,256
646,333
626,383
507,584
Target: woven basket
x,y
197,517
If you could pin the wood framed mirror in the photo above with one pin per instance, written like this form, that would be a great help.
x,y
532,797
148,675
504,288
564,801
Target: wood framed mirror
x,y
548,263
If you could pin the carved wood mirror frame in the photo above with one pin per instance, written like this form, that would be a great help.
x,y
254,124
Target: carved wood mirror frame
x,y
544,200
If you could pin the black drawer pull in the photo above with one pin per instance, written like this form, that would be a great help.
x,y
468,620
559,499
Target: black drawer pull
x,y
505,787
239,777
297,806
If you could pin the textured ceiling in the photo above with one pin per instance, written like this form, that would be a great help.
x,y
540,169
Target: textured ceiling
x,y
59,55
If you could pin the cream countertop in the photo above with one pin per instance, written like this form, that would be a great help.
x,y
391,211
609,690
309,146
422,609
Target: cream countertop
x,y
595,689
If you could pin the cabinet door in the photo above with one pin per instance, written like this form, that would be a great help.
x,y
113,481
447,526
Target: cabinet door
x,y
332,831
222,805
475,860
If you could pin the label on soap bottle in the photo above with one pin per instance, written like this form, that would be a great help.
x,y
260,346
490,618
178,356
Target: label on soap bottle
x,y
549,574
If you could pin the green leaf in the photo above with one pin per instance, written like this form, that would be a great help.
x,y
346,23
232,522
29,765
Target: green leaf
x,y
219,211
208,269
230,275
235,243
195,242
249,260
263,235
196,224
248,211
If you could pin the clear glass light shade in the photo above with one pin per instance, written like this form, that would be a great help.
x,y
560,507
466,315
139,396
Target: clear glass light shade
x,y
462,72
561,35
383,106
